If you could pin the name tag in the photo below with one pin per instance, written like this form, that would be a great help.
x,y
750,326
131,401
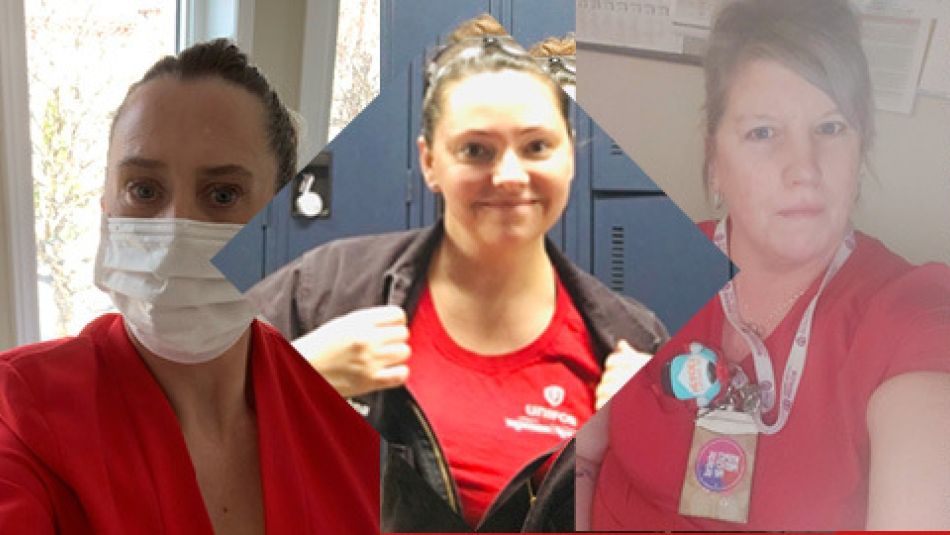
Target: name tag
x,y
718,482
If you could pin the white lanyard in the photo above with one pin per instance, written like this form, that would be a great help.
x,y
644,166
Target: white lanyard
x,y
795,365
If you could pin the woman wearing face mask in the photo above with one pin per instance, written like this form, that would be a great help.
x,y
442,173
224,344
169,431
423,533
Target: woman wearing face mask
x,y
842,420
182,414
478,345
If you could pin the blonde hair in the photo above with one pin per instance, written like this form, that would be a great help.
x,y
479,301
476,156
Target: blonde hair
x,y
560,53
555,46
479,26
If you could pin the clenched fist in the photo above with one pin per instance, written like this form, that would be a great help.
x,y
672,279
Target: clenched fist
x,y
360,352
620,366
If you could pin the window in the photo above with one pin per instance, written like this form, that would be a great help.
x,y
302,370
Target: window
x,y
356,71
81,58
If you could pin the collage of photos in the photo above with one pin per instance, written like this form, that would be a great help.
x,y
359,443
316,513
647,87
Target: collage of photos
x,y
496,266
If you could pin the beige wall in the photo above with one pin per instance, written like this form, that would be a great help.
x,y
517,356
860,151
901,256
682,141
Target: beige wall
x,y
653,110
278,41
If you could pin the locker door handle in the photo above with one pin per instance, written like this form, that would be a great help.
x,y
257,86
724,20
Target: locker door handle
x,y
312,191
309,202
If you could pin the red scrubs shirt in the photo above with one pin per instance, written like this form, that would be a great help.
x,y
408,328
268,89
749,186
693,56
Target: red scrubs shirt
x,y
878,317
494,414
89,443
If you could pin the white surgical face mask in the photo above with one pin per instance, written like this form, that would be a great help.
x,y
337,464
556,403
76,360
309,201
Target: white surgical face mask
x,y
158,273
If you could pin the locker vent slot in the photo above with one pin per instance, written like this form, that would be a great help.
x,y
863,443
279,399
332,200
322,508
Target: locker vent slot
x,y
617,244
615,150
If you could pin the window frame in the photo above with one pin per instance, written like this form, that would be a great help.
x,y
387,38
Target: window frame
x,y
203,20
197,20
193,24
16,158
317,70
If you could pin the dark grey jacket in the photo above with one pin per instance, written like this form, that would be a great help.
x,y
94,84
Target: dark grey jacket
x,y
418,493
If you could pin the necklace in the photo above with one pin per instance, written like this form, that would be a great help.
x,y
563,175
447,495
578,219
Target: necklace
x,y
761,329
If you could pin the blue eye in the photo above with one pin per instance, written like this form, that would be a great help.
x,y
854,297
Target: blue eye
x,y
760,133
144,191
223,196
832,128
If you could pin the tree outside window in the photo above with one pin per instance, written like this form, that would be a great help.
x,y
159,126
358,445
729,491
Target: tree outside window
x,y
81,58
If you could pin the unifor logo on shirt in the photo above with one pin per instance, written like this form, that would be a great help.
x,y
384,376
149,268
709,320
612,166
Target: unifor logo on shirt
x,y
554,395
545,418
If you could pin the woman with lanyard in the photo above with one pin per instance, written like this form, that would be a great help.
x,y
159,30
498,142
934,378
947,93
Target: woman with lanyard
x,y
182,414
814,392
484,345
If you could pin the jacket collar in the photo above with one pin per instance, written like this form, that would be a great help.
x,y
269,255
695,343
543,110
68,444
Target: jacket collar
x,y
404,280
599,306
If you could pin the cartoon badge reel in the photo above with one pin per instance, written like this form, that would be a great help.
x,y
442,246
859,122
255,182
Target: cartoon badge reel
x,y
695,375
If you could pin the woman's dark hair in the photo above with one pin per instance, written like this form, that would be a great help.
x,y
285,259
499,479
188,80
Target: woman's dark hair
x,y
224,60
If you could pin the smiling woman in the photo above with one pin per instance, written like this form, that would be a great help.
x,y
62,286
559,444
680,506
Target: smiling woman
x,y
474,346
494,124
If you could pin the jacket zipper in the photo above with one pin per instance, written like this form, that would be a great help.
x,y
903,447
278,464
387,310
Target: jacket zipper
x,y
440,458
436,448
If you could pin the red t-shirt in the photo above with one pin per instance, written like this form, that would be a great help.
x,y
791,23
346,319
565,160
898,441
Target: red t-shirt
x,y
494,414
90,444
879,317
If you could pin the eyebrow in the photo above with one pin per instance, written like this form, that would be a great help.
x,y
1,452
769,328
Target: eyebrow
x,y
137,161
833,111
489,132
214,171
766,116
226,170
754,117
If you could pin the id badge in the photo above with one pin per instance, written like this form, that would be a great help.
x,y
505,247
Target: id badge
x,y
718,482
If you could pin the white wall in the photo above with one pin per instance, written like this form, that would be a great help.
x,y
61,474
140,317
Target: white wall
x,y
653,109
7,326
278,42
13,120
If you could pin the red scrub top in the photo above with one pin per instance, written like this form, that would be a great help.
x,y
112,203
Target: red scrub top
x,y
879,317
89,443
493,414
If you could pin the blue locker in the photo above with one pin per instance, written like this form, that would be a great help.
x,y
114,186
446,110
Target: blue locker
x,y
574,224
530,21
369,185
242,259
612,169
367,192
409,27
373,183
634,254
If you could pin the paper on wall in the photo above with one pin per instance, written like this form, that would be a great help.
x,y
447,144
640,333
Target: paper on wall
x,y
894,34
936,76
642,24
